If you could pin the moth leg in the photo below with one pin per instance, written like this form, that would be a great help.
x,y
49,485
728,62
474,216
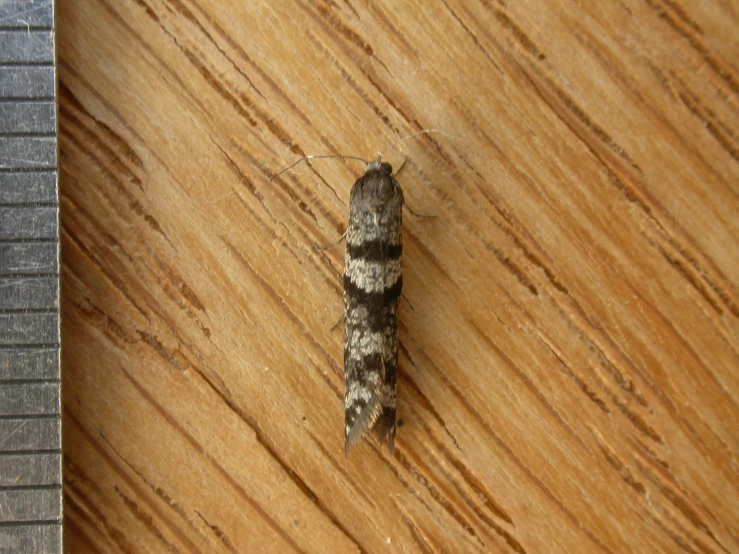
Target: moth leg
x,y
402,165
335,325
330,246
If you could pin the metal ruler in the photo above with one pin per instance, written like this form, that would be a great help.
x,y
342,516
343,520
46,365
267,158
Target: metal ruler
x,y
30,407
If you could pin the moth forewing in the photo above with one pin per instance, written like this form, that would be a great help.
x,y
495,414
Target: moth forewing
x,y
373,281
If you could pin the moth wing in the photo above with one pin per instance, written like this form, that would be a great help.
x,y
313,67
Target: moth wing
x,y
365,378
373,239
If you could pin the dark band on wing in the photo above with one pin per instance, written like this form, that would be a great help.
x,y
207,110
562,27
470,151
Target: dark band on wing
x,y
371,363
380,298
374,251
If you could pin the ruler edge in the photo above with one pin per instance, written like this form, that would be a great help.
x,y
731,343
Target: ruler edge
x,y
49,533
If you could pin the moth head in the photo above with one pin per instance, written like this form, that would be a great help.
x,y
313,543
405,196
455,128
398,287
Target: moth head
x,y
378,185
378,165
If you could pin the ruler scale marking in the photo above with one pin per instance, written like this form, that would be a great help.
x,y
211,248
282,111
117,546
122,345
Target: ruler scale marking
x,y
30,379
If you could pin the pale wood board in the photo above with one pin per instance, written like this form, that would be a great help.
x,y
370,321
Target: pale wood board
x,y
568,375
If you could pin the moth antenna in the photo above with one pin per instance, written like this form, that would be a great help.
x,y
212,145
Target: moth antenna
x,y
424,132
305,158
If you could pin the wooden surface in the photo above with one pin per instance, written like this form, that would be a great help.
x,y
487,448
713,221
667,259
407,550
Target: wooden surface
x,y
569,329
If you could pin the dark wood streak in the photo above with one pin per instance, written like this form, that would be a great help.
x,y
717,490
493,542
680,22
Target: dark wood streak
x,y
419,537
149,11
117,173
683,15
474,483
606,362
570,373
182,364
76,533
421,473
71,76
509,264
511,455
282,305
218,532
503,259
266,442
708,119
472,36
68,235
614,67
721,292
198,448
75,498
528,383
107,325
343,29
687,347
414,245
116,159
182,88
145,519
219,87
677,538
640,198
641,449
518,34
379,89
327,270
657,470
387,24
77,507
275,88
128,480
345,74
703,52
627,386
330,274
108,135
177,290
239,100
617,352
478,488
341,470
406,382
187,14
293,193
294,190
158,491
622,470
681,504
392,466
512,222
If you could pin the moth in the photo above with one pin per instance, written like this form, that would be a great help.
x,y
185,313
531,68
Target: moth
x,y
373,281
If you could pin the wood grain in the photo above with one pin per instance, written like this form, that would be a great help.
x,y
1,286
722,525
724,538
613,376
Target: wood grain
x,y
569,328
